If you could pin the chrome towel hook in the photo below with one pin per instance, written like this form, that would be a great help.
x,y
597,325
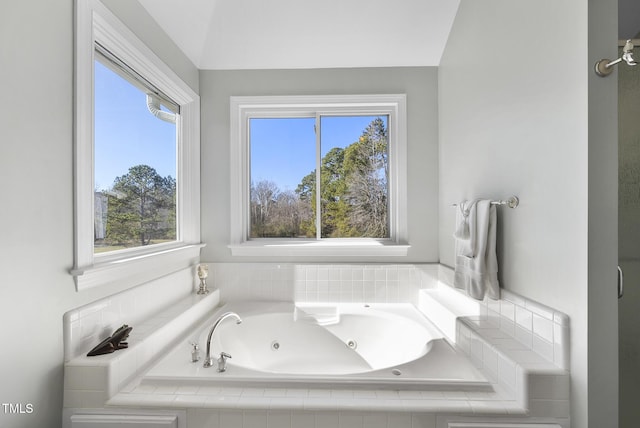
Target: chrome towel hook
x,y
604,67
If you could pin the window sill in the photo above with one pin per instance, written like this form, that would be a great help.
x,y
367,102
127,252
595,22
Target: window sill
x,y
340,248
136,269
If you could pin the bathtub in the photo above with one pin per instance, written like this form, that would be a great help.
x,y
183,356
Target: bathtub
x,y
389,346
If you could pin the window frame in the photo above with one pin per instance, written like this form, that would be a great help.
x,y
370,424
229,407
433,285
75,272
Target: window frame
x,y
96,24
242,108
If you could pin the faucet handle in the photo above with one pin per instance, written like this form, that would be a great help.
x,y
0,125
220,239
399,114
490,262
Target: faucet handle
x,y
222,361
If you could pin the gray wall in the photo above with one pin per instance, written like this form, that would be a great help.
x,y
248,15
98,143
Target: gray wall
x,y
36,218
420,85
518,115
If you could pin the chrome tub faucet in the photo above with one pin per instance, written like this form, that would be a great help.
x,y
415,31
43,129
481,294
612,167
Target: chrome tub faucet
x,y
209,360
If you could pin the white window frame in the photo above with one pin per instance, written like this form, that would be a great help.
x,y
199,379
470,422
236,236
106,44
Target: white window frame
x,y
244,108
95,23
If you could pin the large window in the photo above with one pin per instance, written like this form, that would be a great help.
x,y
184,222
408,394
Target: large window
x,y
135,142
311,174
137,166
342,193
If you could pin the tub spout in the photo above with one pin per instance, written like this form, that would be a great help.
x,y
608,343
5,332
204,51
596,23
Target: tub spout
x,y
209,360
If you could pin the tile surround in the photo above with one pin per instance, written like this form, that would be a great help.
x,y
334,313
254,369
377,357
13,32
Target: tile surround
x,y
86,326
510,339
373,283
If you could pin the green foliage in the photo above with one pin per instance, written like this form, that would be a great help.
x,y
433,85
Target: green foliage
x,y
353,194
141,208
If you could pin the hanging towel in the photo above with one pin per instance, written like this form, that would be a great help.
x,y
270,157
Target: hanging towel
x,y
476,264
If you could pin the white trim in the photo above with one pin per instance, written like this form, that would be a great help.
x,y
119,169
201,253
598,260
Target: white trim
x,y
243,108
95,23
141,420
324,248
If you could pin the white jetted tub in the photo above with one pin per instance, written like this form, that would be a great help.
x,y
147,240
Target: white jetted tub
x,y
314,345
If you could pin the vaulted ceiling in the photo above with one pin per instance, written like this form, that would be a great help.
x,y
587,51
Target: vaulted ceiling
x,y
261,34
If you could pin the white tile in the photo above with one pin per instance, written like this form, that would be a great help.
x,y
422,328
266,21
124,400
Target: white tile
x,y
341,393
512,297
319,393
279,419
507,326
203,418
364,393
346,274
327,420
221,401
253,392
493,305
549,408
433,395
399,420
560,318
506,372
369,273
524,318
423,421
543,327
297,393
539,309
387,394
165,389
350,420
561,346
484,407
73,398
410,395
374,420
507,310
254,419
93,398
550,387
289,403
490,361
190,400
524,336
231,419
543,347
74,378
300,419
323,274
476,350
392,273
455,395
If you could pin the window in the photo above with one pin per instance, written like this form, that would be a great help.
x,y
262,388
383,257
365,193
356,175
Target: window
x,y
136,157
321,175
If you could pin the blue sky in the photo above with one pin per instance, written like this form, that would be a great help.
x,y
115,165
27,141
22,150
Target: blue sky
x,y
283,150
126,134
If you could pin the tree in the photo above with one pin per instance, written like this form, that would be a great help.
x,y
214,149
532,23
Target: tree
x,y
142,209
263,201
366,169
332,189
353,187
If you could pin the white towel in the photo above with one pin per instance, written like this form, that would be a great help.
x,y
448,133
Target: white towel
x,y
476,265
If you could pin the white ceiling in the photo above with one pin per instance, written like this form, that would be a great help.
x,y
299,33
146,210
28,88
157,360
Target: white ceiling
x,y
276,34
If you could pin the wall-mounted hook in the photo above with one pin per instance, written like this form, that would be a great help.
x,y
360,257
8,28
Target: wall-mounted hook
x,y
604,67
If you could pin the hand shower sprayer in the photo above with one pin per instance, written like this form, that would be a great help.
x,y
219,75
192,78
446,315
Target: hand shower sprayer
x,y
604,67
